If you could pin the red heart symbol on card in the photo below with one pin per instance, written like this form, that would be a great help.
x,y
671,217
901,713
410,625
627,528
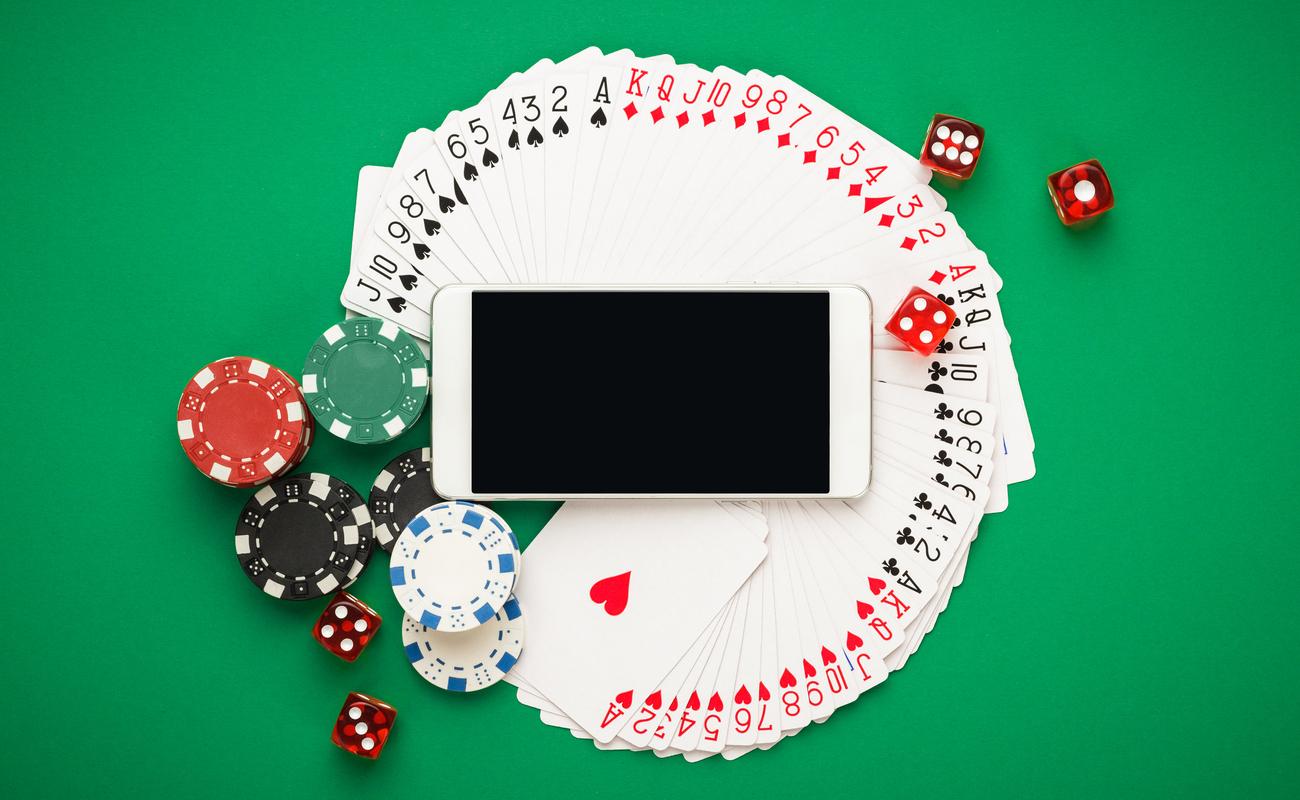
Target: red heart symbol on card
x,y
742,696
865,610
852,641
876,585
611,592
827,657
715,702
624,699
809,670
763,694
654,700
787,679
673,705
693,704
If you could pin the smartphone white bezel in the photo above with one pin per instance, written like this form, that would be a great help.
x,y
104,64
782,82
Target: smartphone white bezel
x,y
850,389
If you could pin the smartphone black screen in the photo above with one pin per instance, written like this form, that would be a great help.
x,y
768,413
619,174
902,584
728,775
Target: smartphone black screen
x,y
627,392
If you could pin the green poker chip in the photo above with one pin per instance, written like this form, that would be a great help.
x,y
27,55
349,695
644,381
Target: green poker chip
x,y
366,380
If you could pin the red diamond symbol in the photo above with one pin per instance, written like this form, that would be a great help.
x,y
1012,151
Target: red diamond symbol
x,y
739,119
630,110
908,243
886,220
762,125
707,118
682,119
937,277
855,190
832,173
872,202
810,156
657,114
783,140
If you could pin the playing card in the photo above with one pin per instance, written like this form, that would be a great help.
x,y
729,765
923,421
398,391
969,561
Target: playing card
x,y
611,608
370,188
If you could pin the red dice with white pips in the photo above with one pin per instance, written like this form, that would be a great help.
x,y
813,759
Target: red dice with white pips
x,y
952,146
363,725
921,321
346,626
1081,192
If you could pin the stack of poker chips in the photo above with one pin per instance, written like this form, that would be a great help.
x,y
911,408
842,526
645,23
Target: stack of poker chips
x,y
243,422
304,536
453,571
366,380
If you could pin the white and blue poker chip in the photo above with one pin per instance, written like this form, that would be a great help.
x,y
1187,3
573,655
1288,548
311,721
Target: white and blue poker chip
x,y
454,566
466,661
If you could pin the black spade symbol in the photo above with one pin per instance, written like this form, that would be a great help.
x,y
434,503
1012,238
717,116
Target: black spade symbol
x,y
421,251
534,137
560,127
490,159
598,119
513,141
445,204
408,281
471,172
432,226
397,304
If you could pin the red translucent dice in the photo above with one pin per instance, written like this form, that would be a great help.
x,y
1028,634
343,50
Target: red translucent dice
x,y
363,725
921,321
1080,192
952,146
346,626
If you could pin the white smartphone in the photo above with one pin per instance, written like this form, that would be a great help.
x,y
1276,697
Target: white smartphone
x,y
726,391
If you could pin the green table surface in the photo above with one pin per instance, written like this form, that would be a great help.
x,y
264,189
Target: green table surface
x,y
178,185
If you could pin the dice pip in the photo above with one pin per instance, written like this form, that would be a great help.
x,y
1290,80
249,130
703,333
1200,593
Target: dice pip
x,y
921,321
952,146
1081,192
346,626
363,725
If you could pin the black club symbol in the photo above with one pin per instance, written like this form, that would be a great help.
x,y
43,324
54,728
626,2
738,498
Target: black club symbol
x,y
905,536
941,457
922,501
938,478
956,320
944,436
937,370
943,347
890,565
942,411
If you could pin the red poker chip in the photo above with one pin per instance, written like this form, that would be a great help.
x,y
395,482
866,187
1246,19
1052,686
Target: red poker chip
x,y
242,421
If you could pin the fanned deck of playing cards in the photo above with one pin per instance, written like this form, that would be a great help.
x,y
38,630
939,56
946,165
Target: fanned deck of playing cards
x,y
702,627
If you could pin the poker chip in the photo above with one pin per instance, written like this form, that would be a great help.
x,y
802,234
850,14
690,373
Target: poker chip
x,y
242,421
366,380
401,490
466,661
303,536
365,523
454,566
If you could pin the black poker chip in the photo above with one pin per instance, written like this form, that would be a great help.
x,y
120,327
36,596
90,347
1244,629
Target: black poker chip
x,y
365,524
402,489
304,536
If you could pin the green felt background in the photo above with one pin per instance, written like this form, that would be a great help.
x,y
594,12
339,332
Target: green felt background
x,y
178,185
